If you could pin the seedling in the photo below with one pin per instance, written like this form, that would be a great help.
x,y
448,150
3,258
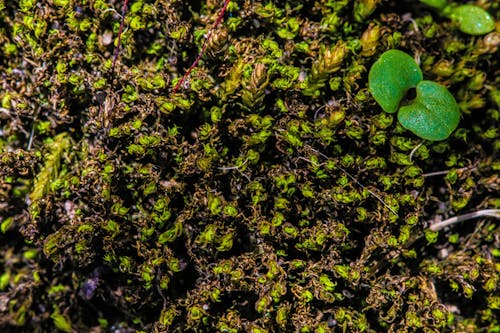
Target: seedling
x,y
471,19
432,115
391,77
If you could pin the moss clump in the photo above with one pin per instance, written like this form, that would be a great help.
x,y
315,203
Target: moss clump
x,y
268,193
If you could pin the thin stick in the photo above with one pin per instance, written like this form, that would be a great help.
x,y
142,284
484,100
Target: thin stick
x,y
414,150
236,167
456,219
444,172
204,47
30,140
117,48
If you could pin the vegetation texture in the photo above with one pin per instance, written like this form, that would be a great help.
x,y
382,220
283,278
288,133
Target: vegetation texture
x,y
268,193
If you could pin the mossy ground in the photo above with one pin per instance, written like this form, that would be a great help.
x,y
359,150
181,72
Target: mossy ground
x,y
270,193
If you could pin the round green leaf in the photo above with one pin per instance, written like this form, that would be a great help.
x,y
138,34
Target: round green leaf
x,y
473,20
438,4
390,78
433,114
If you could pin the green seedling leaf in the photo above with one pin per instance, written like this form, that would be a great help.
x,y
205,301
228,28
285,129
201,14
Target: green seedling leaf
x,y
390,78
433,114
437,4
473,20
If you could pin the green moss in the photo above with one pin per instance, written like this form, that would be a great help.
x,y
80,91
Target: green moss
x,y
266,194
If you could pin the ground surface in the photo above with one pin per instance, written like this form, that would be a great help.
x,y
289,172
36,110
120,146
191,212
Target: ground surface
x,y
269,193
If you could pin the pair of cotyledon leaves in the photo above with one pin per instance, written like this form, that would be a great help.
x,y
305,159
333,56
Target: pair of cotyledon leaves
x,y
432,115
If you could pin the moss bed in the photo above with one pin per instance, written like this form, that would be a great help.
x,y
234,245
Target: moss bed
x,y
268,193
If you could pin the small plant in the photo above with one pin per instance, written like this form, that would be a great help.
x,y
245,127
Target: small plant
x,y
471,19
432,115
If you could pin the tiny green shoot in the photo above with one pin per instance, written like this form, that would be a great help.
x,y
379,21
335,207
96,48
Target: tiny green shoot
x,y
391,76
471,19
432,115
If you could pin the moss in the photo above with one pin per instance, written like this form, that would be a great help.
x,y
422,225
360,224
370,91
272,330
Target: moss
x,y
267,193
